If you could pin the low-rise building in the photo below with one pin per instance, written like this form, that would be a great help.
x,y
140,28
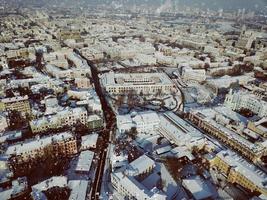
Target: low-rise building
x,y
84,161
94,122
189,74
179,131
55,181
78,189
199,188
144,122
259,126
89,141
146,83
83,83
127,185
18,190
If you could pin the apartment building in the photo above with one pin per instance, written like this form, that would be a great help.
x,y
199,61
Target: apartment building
x,y
65,117
65,34
18,53
62,144
83,83
20,104
239,171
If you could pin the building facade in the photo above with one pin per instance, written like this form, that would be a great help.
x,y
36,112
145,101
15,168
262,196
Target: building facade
x,y
239,171
128,186
66,117
63,144
252,151
239,100
144,122
20,104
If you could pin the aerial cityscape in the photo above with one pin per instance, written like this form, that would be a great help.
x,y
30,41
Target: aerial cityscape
x,y
133,100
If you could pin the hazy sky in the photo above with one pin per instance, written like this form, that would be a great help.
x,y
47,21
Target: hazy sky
x,y
227,4
212,4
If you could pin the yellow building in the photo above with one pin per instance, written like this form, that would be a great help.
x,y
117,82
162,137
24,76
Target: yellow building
x,y
20,104
20,53
45,123
69,34
259,127
239,171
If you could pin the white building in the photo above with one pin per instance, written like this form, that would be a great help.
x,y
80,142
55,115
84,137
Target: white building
x,y
200,188
55,181
190,74
246,100
179,131
144,122
89,141
84,162
78,189
3,123
83,83
146,83
125,183
66,117
140,166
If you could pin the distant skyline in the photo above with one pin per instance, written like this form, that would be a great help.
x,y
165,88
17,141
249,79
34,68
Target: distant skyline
x,y
204,4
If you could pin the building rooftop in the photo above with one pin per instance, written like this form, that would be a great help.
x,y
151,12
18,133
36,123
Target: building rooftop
x,y
84,162
89,140
14,99
140,165
199,188
179,131
55,181
78,189
139,189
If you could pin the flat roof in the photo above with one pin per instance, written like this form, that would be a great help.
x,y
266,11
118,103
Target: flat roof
x,y
55,181
84,161
178,130
78,189
89,140
199,188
